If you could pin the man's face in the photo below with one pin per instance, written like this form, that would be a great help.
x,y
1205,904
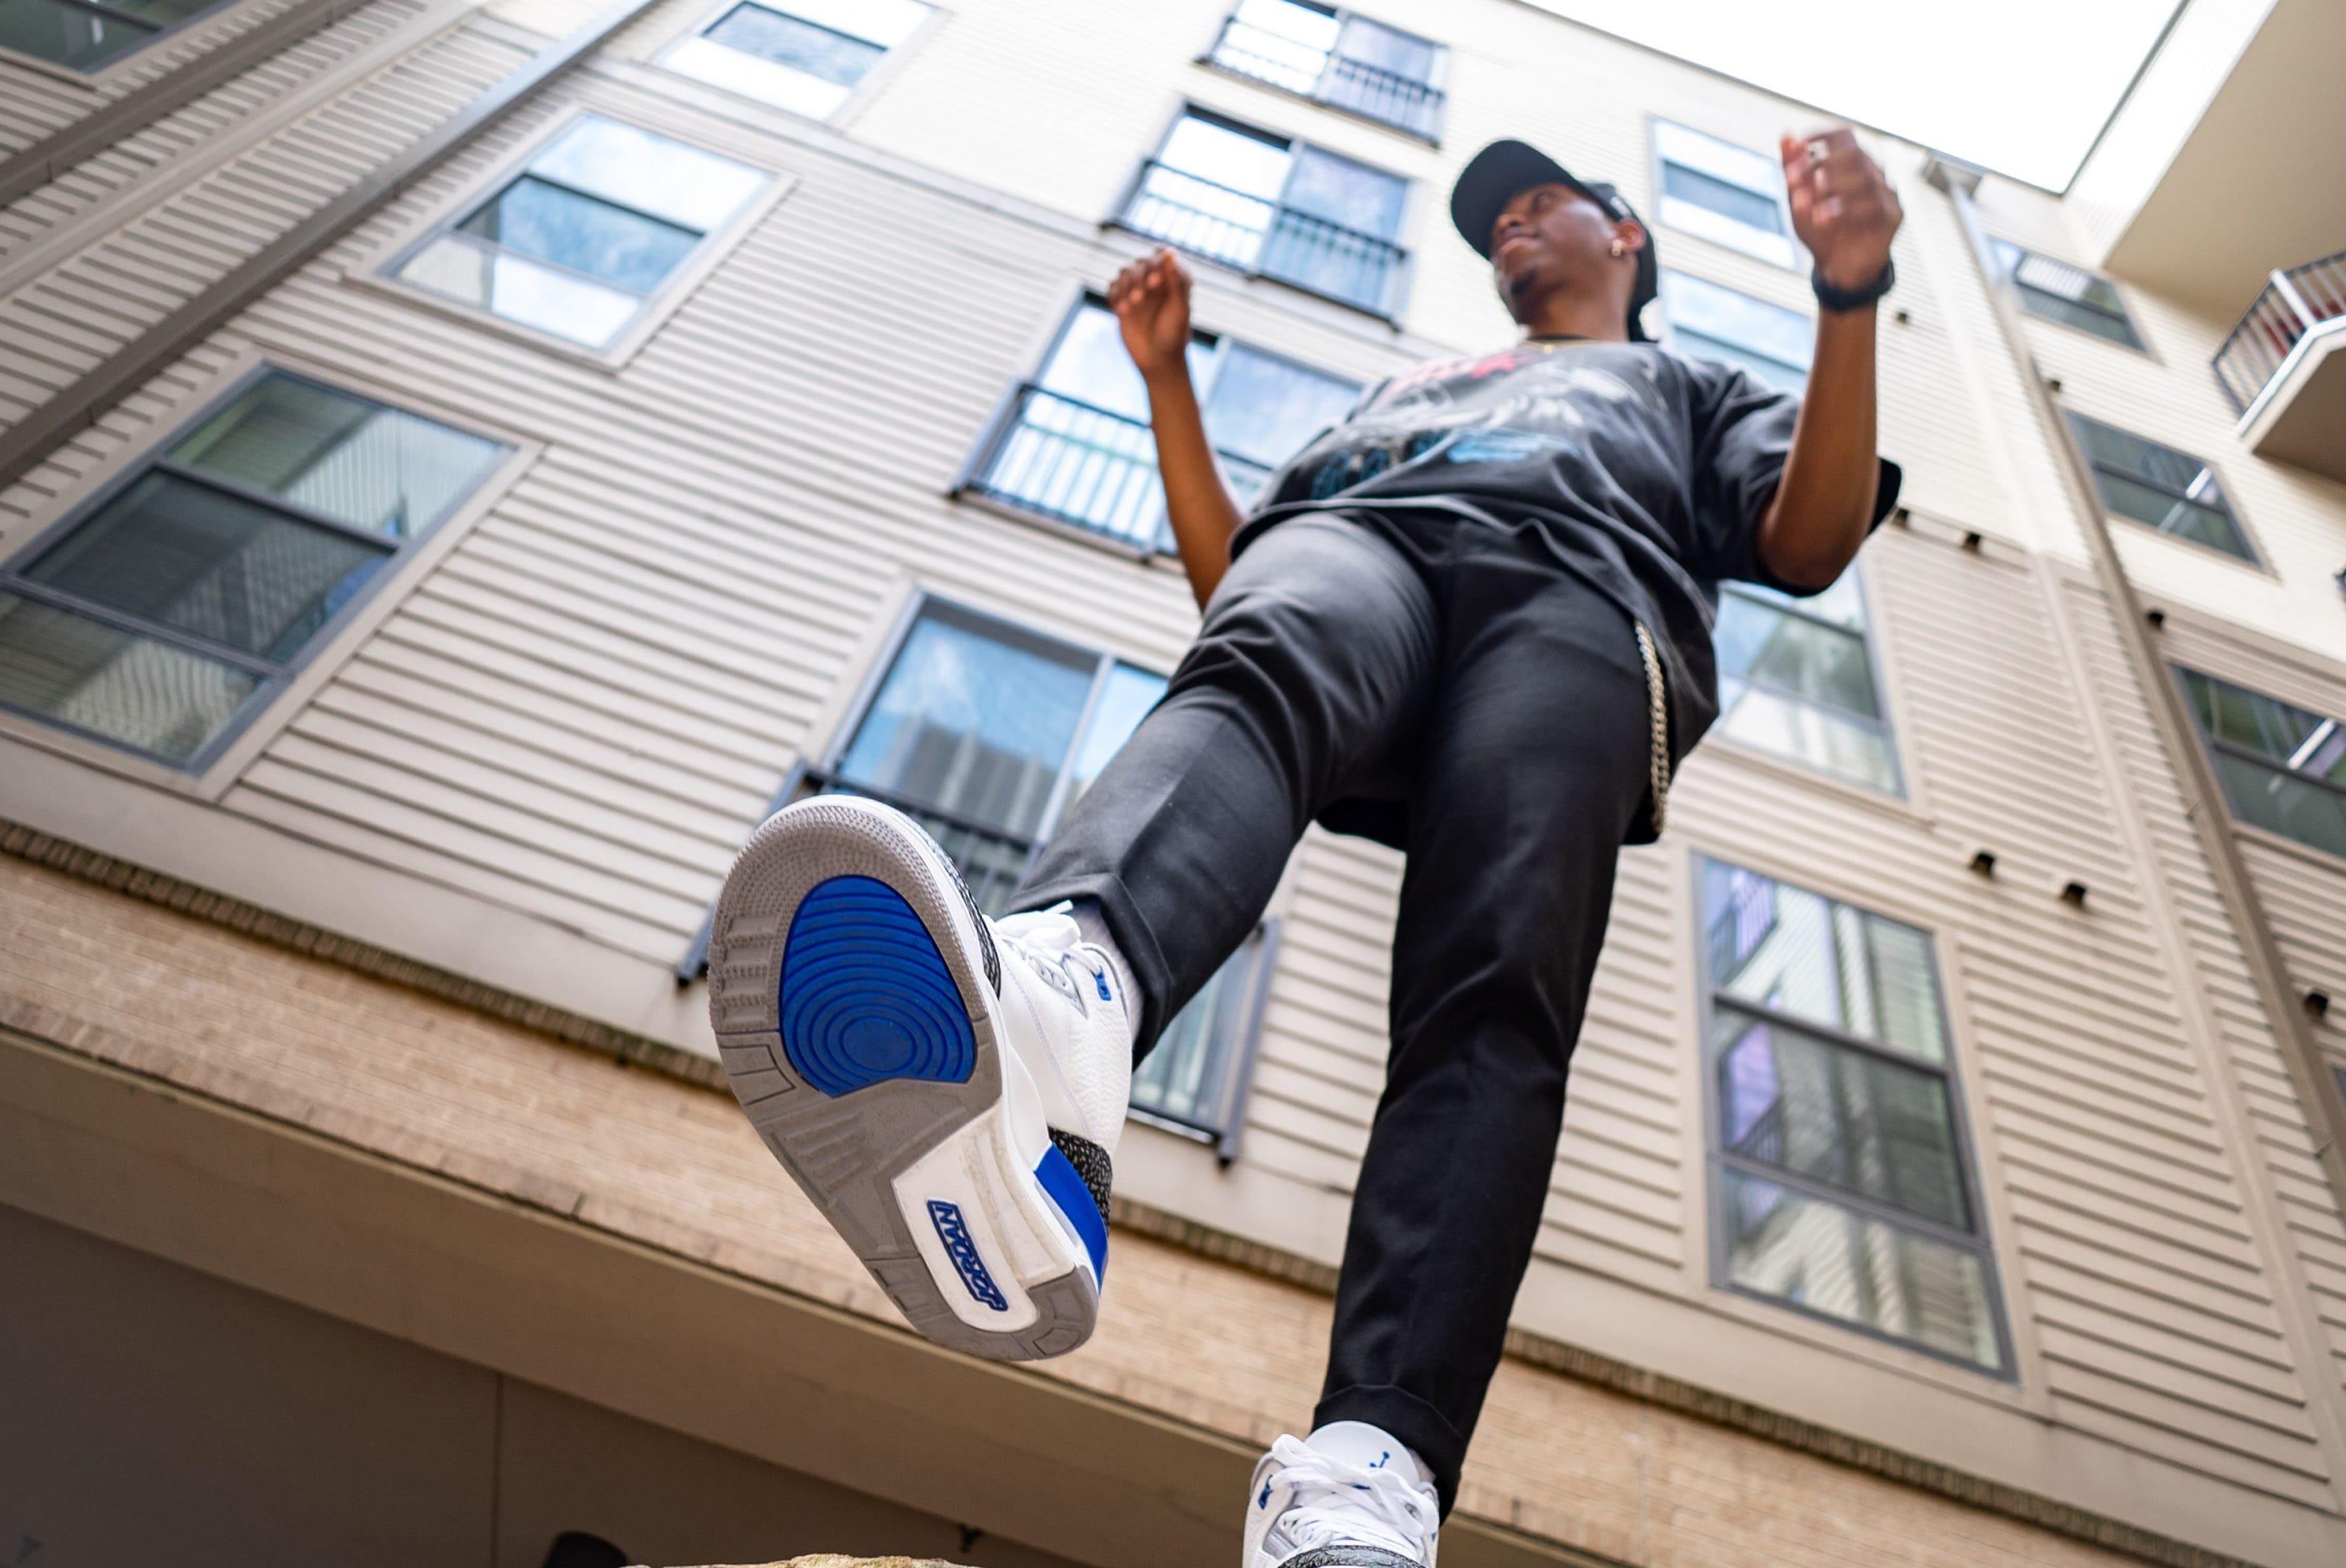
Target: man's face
x,y
1546,237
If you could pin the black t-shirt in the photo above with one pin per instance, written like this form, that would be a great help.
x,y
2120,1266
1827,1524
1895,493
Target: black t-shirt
x,y
1645,474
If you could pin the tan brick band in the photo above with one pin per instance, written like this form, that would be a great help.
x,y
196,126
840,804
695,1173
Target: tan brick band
x,y
1576,1521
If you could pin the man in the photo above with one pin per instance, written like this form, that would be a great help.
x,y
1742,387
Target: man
x,y
1472,621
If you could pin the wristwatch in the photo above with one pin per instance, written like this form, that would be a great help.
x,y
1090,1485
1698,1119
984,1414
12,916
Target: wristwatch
x,y
1857,299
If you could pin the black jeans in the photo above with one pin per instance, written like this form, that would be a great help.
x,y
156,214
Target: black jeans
x,y
1457,667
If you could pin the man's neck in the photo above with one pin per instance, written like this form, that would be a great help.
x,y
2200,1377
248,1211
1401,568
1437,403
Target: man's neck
x,y
1564,315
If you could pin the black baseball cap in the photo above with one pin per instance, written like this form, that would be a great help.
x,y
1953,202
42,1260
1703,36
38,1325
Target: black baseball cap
x,y
1497,174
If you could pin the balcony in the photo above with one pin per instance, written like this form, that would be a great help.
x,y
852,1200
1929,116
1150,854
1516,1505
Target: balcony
x,y
1258,235
1091,468
1330,77
2284,370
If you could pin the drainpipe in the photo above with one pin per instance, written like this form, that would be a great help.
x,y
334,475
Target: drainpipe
x,y
2178,733
89,397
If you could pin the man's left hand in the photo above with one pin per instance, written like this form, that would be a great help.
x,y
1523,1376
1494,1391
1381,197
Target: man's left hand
x,y
1843,208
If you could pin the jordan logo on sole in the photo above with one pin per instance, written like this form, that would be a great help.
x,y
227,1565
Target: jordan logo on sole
x,y
954,1231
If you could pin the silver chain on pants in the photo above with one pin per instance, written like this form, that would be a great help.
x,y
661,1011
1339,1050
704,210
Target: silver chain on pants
x,y
1657,711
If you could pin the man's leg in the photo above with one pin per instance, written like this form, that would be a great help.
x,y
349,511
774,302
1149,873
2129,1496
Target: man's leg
x,y
949,1089
1534,760
1313,665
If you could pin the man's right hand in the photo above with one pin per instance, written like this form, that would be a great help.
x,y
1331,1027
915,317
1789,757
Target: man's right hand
x,y
1151,301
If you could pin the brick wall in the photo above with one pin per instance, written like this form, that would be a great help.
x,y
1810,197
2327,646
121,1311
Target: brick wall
x,y
671,1165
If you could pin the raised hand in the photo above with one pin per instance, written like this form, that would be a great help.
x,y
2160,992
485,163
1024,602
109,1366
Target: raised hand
x,y
1151,301
1843,208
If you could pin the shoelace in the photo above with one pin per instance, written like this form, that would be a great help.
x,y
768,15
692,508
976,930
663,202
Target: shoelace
x,y
1036,934
1334,1500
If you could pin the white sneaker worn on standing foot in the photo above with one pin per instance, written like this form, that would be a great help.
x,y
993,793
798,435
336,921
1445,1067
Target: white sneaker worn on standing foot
x,y
948,1089
1312,1509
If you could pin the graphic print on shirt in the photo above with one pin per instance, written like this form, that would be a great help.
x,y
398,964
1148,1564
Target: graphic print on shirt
x,y
1519,405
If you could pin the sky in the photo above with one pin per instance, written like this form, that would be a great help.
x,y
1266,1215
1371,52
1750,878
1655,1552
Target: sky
x,y
2020,86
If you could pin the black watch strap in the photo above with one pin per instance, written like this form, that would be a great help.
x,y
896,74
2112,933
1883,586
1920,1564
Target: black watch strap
x,y
1857,299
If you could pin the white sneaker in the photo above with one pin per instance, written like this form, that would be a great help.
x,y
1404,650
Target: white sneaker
x,y
1311,1509
948,1089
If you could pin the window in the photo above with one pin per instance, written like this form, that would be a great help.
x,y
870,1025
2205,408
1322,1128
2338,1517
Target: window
x,y
806,55
84,34
2283,768
1841,1182
2069,295
167,611
581,239
985,733
2160,487
1074,445
1796,677
1263,203
1727,194
1342,60
1718,323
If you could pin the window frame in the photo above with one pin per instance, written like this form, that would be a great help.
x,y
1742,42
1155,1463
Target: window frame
x,y
1898,790
815,768
2008,276
380,270
285,691
1670,328
1435,86
2248,556
1758,249
1980,1244
698,23
2210,744
98,75
1404,259
968,484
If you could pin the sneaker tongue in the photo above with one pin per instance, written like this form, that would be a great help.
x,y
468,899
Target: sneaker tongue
x,y
1048,929
1370,1447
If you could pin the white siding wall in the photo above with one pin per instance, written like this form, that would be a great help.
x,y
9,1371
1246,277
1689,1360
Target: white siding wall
x,y
35,102
94,303
2295,520
2304,891
195,127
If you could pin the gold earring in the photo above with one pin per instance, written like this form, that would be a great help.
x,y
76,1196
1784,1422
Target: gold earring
x,y
1617,247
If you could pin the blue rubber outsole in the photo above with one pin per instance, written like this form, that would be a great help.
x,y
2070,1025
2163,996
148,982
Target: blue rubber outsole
x,y
865,997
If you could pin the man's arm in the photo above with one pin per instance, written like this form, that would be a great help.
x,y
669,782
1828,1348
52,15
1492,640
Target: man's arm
x,y
1151,301
1846,214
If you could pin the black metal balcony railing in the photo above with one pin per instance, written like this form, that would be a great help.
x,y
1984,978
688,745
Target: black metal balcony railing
x,y
1339,80
1078,463
1258,235
992,861
2291,305
1382,95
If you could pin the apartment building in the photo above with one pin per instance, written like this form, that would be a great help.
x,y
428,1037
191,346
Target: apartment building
x,y
463,462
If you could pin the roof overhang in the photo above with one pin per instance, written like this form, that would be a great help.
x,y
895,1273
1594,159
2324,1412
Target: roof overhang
x,y
2210,178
